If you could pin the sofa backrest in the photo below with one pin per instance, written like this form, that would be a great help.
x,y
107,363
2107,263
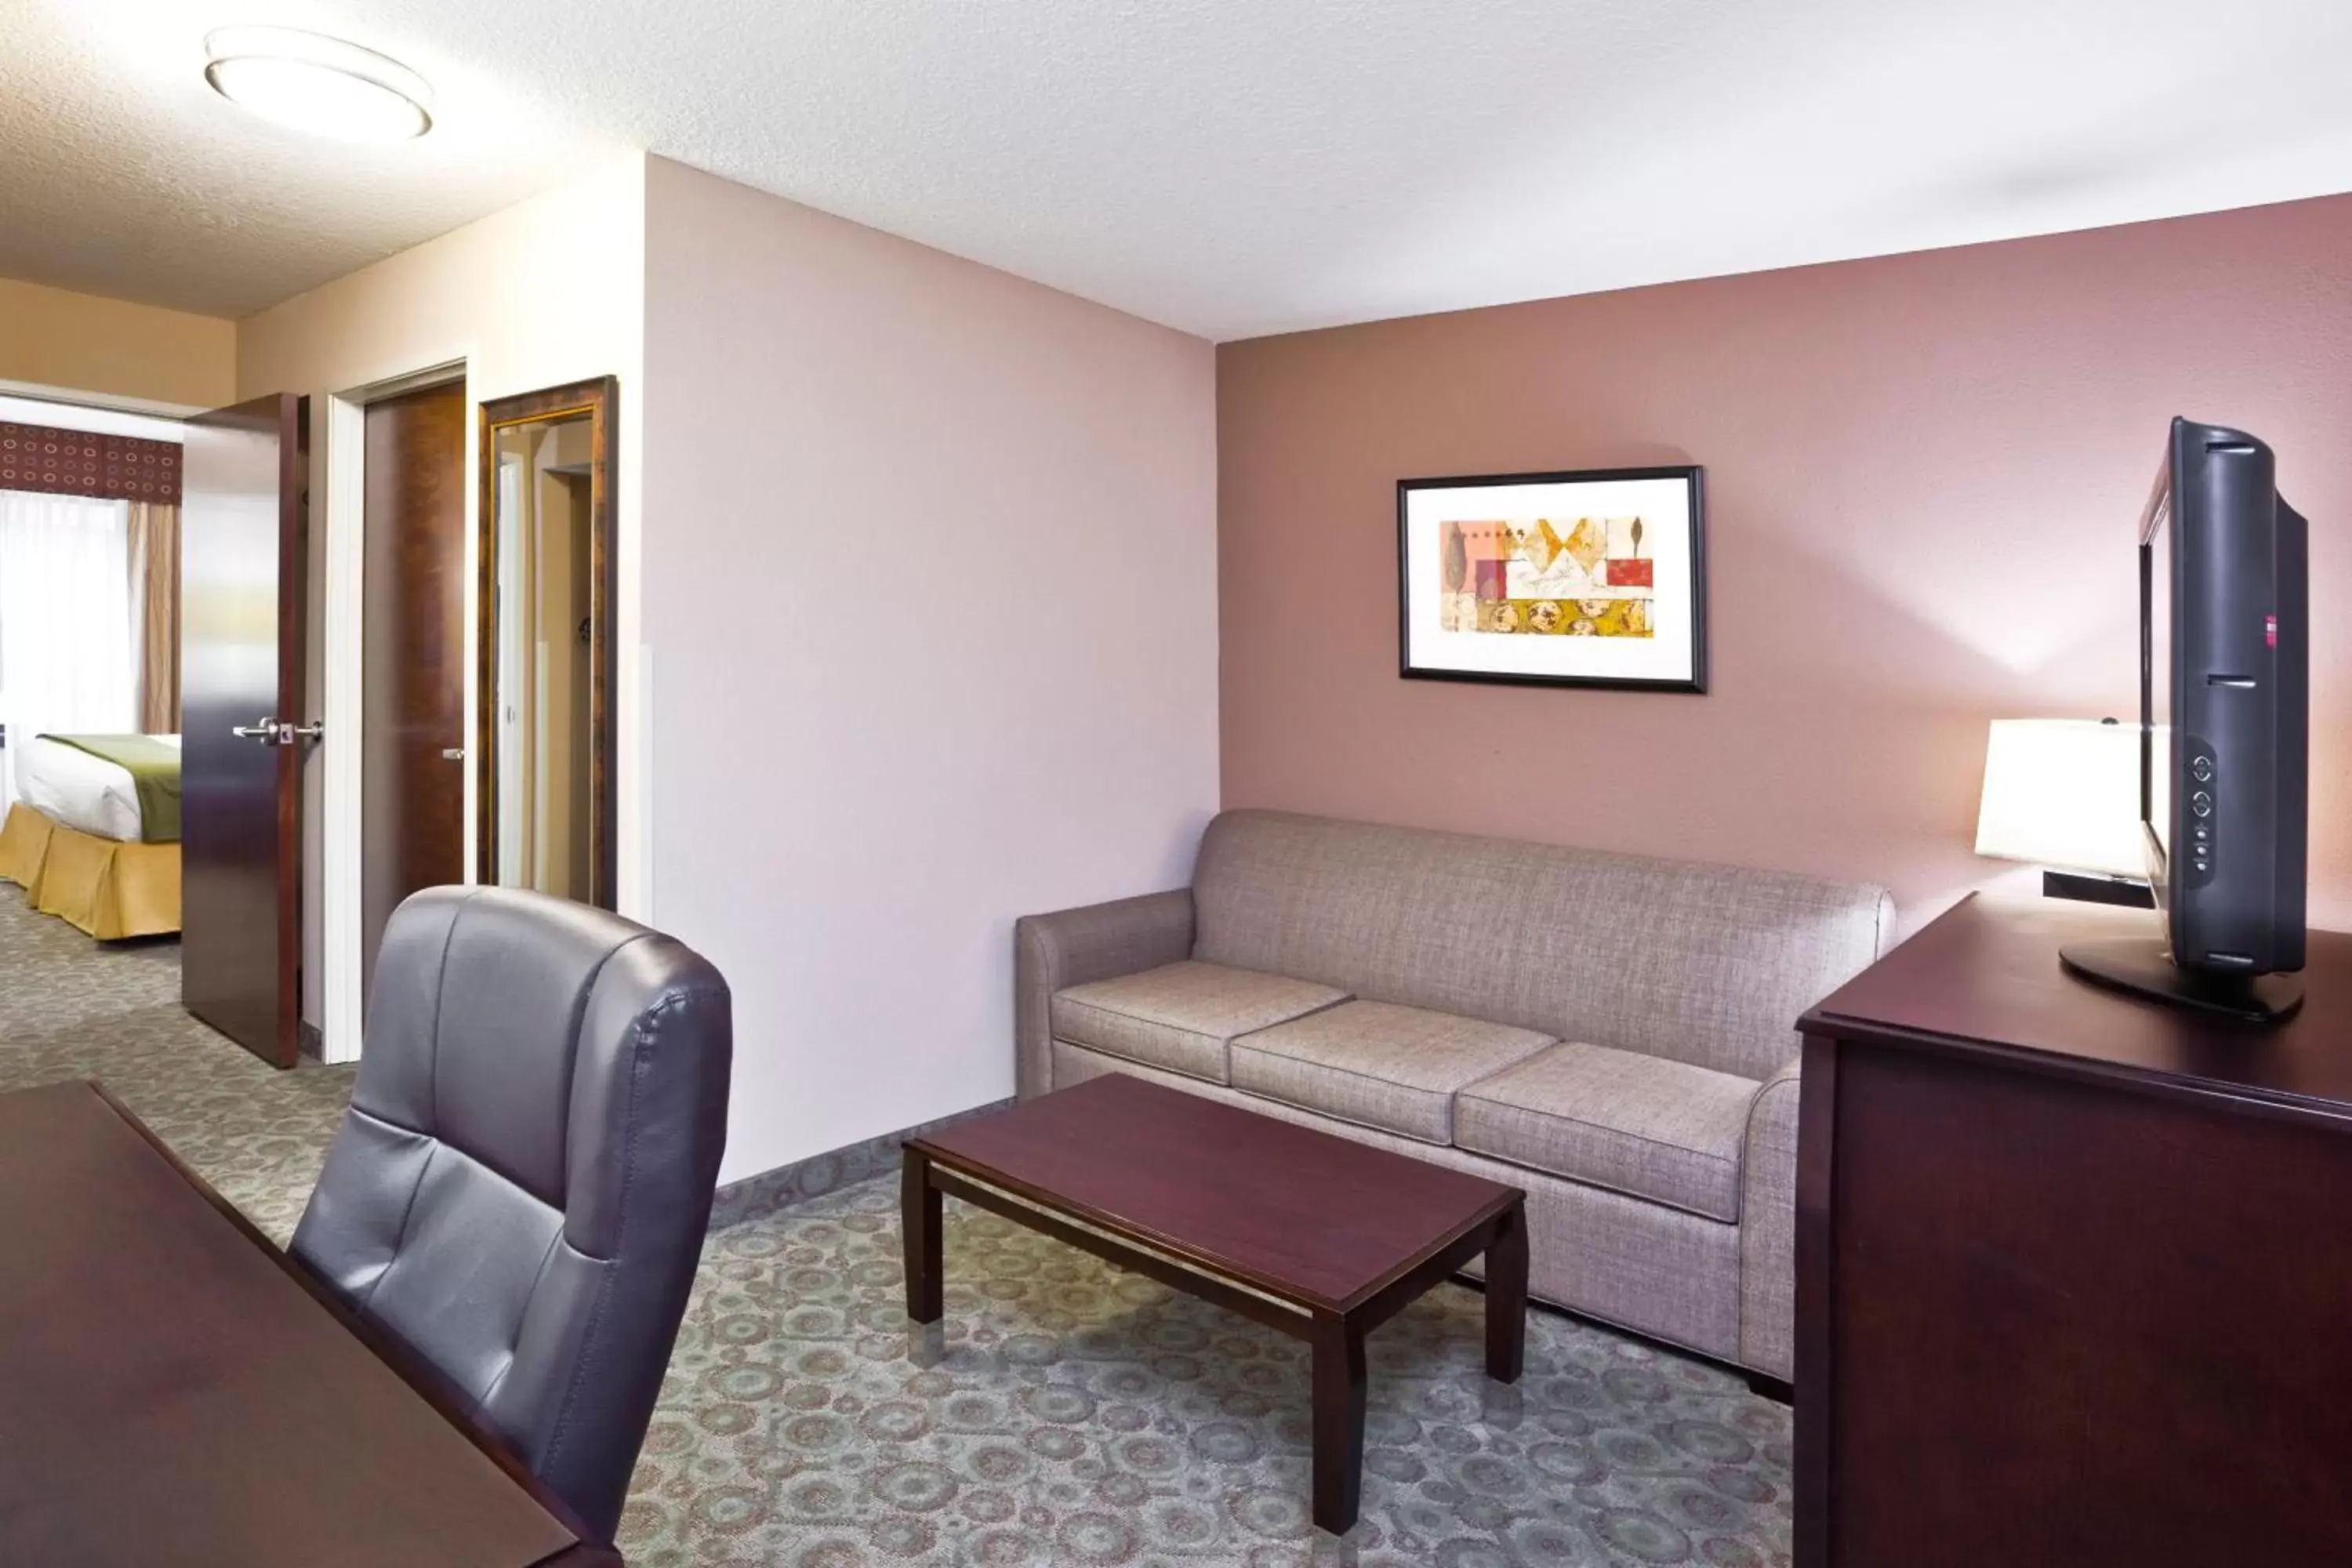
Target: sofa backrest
x,y
1706,964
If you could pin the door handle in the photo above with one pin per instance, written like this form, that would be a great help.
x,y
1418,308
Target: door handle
x,y
272,733
453,754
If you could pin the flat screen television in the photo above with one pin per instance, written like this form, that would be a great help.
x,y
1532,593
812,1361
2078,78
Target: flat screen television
x,y
2224,733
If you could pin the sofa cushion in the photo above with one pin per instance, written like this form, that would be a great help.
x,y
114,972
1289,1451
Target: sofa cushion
x,y
1378,1065
1654,1269
1181,1015
1642,1125
1706,965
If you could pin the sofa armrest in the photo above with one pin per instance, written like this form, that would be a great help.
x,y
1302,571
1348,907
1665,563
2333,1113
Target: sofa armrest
x,y
1768,1227
1074,946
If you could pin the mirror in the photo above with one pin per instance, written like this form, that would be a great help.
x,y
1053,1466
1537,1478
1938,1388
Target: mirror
x,y
543,740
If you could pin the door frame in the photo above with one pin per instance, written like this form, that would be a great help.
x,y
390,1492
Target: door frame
x,y
342,916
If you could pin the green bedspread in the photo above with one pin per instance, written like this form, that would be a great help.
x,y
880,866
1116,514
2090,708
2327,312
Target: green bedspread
x,y
154,769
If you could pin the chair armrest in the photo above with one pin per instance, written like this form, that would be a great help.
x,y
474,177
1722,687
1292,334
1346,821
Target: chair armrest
x,y
1074,946
1768,1227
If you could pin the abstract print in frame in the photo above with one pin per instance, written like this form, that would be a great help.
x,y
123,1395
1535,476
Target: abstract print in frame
x,y
1589,578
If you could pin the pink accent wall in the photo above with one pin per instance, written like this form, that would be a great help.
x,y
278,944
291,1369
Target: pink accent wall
x,y
1923,475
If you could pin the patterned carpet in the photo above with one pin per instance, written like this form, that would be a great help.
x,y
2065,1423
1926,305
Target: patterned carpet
x,y
71,1007
1064,1414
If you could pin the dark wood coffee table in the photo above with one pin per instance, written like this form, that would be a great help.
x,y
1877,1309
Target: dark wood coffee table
x,y
1307,1233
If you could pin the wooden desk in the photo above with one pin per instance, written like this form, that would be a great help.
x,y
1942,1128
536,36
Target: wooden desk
x,y
172,1389
2074,1269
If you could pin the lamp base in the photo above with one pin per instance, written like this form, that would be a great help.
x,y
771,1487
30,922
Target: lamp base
x,y
2144,966
2118,890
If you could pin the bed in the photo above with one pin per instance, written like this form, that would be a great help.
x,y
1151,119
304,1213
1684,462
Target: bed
x,y
93,836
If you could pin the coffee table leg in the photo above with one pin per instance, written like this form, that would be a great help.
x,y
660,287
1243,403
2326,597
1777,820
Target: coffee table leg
x,y
918,1219
1338,1423
1506,1298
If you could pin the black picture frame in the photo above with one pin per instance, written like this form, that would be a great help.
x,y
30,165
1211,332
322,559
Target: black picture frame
x,y
1691,475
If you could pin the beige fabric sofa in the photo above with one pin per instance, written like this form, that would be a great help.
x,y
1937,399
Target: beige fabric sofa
x,y
1613,1034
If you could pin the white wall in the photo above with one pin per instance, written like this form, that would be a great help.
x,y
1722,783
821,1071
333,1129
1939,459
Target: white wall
x,y
545,292
930,585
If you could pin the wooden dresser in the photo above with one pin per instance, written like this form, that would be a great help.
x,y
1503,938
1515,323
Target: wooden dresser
x,y
2074,1269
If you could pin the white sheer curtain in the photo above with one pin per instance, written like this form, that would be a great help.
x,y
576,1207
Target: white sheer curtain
x,y
66,629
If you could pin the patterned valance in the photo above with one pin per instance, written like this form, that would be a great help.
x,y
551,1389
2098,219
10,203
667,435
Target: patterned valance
x,y
81,463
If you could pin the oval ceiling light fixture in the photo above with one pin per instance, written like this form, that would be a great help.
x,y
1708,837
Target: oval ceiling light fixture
x,y
307,81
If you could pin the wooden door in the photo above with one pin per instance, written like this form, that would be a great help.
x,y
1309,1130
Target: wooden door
x,y
243,540
413,766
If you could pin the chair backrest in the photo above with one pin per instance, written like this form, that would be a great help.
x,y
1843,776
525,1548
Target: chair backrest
x,y
520,1188
1706,965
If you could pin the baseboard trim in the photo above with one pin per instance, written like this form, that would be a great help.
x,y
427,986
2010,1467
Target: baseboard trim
x,y
786,1186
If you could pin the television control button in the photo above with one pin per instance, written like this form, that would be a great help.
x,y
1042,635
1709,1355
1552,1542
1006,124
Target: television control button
x,y
2201,770
2202,803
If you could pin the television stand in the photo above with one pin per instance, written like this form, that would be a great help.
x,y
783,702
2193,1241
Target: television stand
x,y
2144,966
2072,1268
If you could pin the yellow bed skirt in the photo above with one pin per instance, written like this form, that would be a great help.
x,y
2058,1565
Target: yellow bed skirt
x,y
105,887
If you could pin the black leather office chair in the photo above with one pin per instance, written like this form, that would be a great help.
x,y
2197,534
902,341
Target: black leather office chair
x,y
520,1188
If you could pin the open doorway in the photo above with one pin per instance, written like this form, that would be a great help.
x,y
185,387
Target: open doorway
x,y
151,643
89,662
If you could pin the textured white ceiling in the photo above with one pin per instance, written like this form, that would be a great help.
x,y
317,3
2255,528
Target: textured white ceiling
x,y
121,173
1233,167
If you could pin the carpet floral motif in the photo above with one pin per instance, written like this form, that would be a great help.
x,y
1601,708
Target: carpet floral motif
x,y
1065,1412
1069,1413
71,1007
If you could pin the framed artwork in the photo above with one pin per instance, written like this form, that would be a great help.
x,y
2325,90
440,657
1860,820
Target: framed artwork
x,y
1589,578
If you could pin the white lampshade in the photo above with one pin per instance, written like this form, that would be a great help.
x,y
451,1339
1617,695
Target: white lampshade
x,y
2063,793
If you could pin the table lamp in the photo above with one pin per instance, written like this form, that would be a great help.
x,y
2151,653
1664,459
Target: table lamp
x,y
2064,794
